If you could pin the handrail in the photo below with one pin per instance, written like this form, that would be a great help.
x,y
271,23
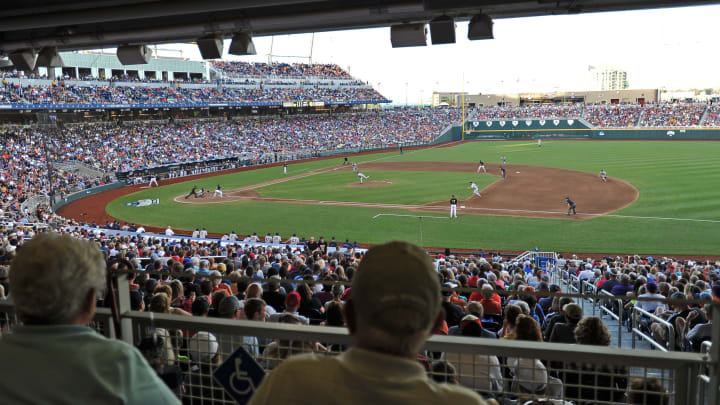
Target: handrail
x,y
592,287
613,315
455,344
649,339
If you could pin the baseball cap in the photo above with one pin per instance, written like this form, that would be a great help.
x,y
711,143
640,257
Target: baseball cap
x,y
203,346
396,289
292,299
228,306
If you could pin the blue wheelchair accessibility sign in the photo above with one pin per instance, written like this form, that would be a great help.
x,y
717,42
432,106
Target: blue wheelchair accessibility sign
x,y
240,375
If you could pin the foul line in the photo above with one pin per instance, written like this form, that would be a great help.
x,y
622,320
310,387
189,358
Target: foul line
x,y
401,215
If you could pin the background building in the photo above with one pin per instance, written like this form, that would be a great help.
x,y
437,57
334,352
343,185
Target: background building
x,y
609,77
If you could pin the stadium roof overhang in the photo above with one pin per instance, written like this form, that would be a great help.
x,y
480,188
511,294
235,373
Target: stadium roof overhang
x,y
88,24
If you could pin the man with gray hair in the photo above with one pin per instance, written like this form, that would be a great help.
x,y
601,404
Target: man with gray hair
x,y
394,306
54,357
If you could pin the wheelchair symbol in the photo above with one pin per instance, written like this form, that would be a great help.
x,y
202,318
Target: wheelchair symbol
x,y
240,382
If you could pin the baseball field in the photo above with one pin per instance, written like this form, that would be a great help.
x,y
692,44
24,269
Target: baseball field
x,y
661,197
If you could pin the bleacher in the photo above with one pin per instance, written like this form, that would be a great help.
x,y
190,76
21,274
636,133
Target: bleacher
x,y
504,369
664,115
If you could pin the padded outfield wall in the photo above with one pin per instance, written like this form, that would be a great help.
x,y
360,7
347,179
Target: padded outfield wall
x,y
571,129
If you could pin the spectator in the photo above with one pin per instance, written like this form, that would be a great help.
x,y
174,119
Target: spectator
x,y
395,304
645,391
564,332
55,282
598,382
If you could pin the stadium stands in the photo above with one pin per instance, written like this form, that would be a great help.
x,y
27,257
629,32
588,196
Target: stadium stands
x,y
183,271
245,69
72,93
608,115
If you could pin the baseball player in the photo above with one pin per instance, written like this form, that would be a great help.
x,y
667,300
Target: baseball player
x,y
218,191
284,168
453,207
355,167
539,142
474,188
504,159
153,180
362,177
192,193
345,161
571,205
202,193
603,175
503,172
481,166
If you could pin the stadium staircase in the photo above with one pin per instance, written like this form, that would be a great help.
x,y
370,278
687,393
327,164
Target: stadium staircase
x,y
79,168
548,261
704,115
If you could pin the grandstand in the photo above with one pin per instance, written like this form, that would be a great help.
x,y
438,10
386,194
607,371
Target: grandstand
x,y
515,327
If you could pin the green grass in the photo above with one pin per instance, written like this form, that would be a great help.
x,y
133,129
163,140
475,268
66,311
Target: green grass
x,y
676,179
405,188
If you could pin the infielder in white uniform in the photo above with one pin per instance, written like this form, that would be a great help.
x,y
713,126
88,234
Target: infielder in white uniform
x,y
284,168
362,177
355,167
603,175
153,180
474,187
218,191
453,207
481,166
539,142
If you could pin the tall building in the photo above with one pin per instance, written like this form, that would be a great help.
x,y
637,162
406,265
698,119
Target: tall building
x,y
610,77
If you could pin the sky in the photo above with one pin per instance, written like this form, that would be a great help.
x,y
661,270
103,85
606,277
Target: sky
x,y
673,48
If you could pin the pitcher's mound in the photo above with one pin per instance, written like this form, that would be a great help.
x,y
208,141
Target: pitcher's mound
x,y
371,183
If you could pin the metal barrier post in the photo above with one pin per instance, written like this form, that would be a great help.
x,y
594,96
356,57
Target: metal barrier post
x,y
126,327
636,331
715,358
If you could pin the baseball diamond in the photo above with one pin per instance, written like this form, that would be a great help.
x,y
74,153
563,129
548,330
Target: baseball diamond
x,y
631,212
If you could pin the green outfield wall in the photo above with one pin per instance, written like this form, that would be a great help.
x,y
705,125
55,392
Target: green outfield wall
x,y
572,129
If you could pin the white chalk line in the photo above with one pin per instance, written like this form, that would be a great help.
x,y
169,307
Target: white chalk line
x,y
441,208
296,177
403,215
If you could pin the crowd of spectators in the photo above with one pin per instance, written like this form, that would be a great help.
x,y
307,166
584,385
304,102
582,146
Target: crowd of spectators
x,y
528,111
608,115
24,174
243,69
484,297
671,115
712,119
120,148
68,93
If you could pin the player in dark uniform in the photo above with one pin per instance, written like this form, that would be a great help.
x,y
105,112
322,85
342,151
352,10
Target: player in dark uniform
x,y
571,205
192,192
453,207
503,171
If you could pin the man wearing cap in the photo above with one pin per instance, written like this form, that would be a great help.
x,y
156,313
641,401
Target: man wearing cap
x,y
54,357
395,305
292,304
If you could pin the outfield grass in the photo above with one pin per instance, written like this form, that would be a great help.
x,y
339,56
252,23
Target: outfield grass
x,y
676,179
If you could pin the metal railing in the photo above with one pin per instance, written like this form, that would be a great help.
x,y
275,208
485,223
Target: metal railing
x,y
637,315
572,371
608,311
589,287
